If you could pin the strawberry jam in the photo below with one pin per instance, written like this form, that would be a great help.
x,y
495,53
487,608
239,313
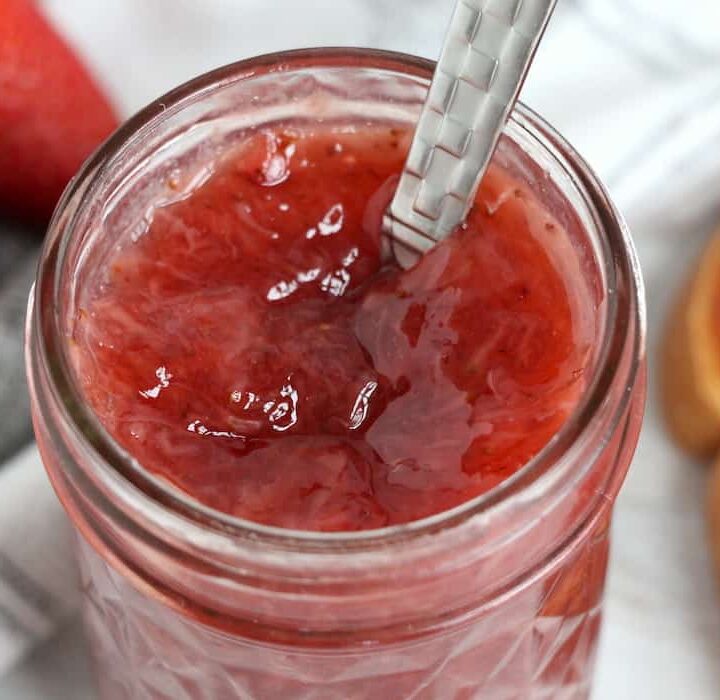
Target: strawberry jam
x,y
254,348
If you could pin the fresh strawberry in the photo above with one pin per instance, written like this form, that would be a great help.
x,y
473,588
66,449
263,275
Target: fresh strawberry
x,y
52,115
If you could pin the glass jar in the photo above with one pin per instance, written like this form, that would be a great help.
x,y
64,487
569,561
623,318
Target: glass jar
x,y
497,598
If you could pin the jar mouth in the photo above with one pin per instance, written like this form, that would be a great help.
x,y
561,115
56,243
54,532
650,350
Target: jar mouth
x,y
624,317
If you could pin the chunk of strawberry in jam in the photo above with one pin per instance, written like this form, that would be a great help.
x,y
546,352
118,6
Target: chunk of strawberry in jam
x,y
252,348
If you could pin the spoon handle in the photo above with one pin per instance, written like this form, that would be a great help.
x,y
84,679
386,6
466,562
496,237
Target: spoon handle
x,y
486,54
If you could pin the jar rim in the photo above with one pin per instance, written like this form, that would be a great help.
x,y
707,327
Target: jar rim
x,y
621,323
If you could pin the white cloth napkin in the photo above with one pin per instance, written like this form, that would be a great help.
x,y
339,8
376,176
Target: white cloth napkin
x,y
635,85
37,572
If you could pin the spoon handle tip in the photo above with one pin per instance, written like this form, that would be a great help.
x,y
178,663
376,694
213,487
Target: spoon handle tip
x,y
486,54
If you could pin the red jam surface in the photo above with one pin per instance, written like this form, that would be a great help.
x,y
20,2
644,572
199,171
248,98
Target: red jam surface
x,y
252,347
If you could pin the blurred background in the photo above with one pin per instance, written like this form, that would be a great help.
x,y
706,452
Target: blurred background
x,y
633,84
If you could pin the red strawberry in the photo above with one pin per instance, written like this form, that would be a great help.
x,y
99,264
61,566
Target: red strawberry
x,y
52,115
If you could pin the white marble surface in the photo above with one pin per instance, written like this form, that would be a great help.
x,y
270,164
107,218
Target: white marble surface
x,y
638,98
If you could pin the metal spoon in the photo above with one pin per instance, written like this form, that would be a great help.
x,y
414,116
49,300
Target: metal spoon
x,y
486,55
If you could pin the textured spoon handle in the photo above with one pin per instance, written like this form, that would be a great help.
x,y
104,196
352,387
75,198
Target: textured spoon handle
x,y
486,55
